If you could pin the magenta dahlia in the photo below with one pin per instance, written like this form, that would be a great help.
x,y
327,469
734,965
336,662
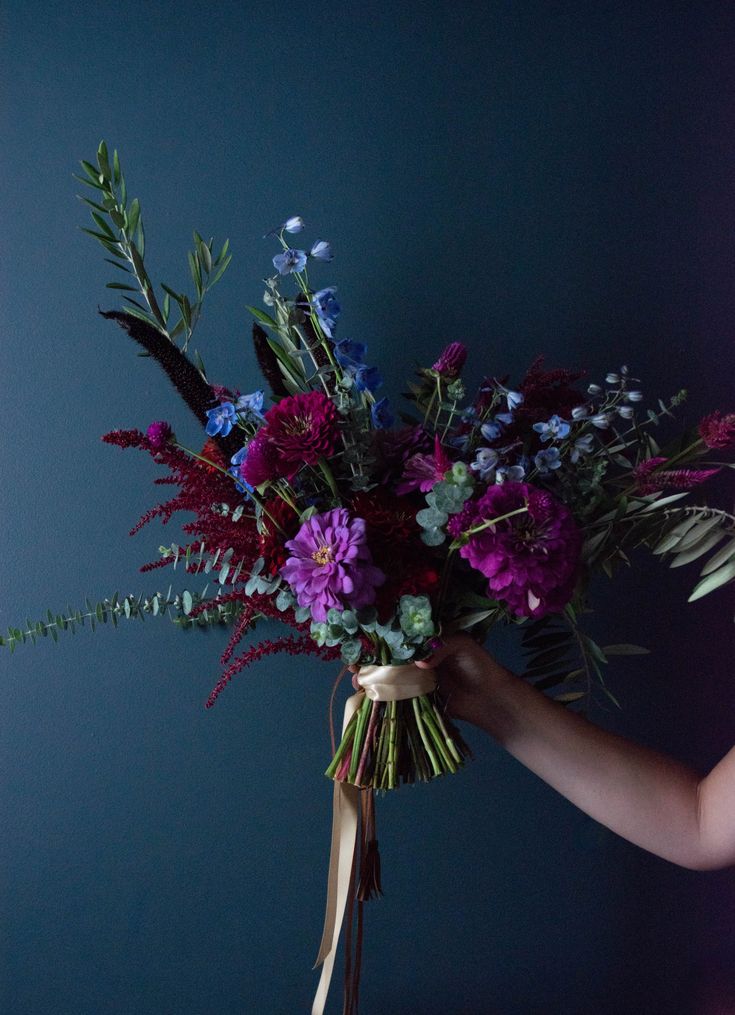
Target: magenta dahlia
x,y
302,429
531,559
330,564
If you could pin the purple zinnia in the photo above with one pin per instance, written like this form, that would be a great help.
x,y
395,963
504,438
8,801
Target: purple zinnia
x,y
531,559
330,564
451,360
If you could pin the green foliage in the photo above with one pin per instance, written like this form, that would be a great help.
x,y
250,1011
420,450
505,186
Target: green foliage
x,y
178,607
119,229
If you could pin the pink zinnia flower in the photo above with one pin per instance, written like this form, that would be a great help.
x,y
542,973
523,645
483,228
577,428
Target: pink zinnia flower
x,y
423,472
718,431
451,360
530,560
330,564
302,429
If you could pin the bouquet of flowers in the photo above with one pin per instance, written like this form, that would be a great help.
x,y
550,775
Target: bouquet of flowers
x,y
374,537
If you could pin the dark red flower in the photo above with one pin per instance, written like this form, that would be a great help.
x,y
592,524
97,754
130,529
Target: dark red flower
x,y
302,429
718,431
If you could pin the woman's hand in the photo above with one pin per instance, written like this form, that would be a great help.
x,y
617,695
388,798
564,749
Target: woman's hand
x,y
468,678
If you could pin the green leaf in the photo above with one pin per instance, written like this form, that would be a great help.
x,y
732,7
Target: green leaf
x,y
220,271
103,161
115,167
708,542
702,527
103,225
121,285
713,581
206,257
195,271
92,171
655,505
133,216
723,555
625,650
223,252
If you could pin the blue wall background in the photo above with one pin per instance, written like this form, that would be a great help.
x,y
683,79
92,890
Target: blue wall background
x,y
523,176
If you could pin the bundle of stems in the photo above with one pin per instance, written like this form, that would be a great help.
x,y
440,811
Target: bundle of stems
x,y
387,743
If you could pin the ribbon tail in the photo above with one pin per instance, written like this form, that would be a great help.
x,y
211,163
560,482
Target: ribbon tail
x,y
345,810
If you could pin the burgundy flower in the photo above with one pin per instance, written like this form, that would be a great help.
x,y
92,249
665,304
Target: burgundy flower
x,y
451,360
302,429
159,434
531,559
394,447
718,431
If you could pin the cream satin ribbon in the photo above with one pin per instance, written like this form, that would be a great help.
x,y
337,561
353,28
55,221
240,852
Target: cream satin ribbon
x,y
378,683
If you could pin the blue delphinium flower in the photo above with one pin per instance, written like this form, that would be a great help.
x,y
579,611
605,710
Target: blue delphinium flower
x,y
368,379
485,463
506,418
221,419
554,429
321,250
514,399
294,224
250,406
241,484
510,474
327,308
382,414
349,353
290,260
547,460
582,446
491,430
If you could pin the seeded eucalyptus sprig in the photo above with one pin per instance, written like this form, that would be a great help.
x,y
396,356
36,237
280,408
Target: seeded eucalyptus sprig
x,y
119,228
177,606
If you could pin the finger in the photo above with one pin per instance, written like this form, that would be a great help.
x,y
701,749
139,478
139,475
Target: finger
x,y
437,657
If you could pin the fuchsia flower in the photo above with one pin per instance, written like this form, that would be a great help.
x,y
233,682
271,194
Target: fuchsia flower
x,y
159,434
651,478
330,564
261,462
423,472
718,431
451,360
531,559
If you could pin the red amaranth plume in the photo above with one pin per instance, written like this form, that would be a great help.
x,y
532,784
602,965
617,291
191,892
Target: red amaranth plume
x,y
201,489
293,644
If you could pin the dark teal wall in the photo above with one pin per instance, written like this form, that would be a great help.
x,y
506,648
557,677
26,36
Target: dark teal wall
x,y
523,176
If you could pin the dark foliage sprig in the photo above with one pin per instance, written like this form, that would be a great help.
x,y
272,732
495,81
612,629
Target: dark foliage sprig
x,y
119,229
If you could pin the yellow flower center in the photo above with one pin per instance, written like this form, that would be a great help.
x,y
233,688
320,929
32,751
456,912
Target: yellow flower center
x,y
323,555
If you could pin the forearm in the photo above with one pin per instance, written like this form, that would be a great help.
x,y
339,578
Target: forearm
x,y
641,795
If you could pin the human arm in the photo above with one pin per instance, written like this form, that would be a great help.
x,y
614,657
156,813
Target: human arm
x,y
644,796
